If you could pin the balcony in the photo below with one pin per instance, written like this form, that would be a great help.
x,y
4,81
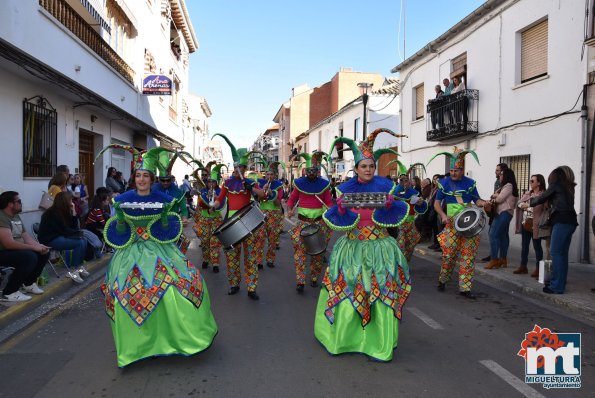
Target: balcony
x,y
452,116
77,25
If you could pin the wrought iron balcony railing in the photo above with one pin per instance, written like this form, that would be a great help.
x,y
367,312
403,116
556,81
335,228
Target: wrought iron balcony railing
x,y
452,116
68,17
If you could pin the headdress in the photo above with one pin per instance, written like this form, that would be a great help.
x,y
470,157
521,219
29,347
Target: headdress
x,y
457,157
365,150
216,173
240,155
166,162
141,160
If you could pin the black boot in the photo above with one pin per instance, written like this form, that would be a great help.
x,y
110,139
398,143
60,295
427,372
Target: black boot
x,y
314,283
270,265
215,269
233,290
441,286
300,288
205,265
253,295
468,295
260,266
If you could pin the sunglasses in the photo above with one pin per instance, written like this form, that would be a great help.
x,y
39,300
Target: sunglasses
x,y
19,201
165,179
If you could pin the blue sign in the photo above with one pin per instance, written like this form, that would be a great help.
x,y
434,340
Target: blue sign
x,y
157,85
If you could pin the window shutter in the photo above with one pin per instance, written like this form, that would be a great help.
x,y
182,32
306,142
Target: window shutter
x,y
419,102
534,52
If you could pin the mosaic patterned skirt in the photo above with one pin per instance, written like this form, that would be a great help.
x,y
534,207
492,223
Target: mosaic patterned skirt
x,y
364,290
158,303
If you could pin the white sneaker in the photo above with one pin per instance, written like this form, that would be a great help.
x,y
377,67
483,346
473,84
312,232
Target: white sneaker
x,y
83,272
15,297
33,289
74,275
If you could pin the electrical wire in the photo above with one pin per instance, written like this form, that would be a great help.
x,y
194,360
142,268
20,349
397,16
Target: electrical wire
x,y
384,107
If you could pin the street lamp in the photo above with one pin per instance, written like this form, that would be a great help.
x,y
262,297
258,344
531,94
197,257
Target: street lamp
x,y
363,89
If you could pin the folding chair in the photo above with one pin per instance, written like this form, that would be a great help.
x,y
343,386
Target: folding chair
x,y
35,228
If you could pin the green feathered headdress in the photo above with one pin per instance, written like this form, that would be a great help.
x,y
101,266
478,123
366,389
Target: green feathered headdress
x,y
141,160
216,172
457,157
239,156
365,150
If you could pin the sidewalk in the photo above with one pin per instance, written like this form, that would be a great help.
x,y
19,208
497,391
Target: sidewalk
x,y
10,312
578,297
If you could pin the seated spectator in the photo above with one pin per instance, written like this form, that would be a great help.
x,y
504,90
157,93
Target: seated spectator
x,y
18,249
79,194
57,184
98,214
59,230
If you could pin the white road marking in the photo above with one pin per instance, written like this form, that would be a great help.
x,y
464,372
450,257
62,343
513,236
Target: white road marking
x,y
425,318
511,379
289,221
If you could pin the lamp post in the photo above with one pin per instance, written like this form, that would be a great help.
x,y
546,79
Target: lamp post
x,y
363,88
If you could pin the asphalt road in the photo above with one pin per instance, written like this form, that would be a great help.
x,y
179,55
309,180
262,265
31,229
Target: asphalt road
x,y
449,346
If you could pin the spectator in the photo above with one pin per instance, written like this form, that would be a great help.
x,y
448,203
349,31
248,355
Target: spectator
x,y
460,108
505,201
57,184
527,224
422,221
110,180
433,219
19,250
120,181
491,212
186,187
436,114
62,169
59,230
334,188
79,195
417,184
563,220
98,214
448,86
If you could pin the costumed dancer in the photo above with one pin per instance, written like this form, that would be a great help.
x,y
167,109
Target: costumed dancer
x,y
457,191
209,220
260,232
199,183
271,207
311,196
156,299
409,236
166,185
238,191
367,281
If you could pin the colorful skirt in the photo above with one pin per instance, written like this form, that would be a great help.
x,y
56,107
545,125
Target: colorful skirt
x,y
364,290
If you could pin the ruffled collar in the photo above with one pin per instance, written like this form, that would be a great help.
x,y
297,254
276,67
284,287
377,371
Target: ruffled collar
x,y
448,186
234,185
318,186
274,184
377,184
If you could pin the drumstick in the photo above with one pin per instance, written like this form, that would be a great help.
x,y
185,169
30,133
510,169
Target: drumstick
x,y
320,200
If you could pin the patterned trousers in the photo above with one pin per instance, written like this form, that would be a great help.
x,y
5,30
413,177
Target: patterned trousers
x,y
299,254
457,249
209,244
233,257
259,240
272,228
408,238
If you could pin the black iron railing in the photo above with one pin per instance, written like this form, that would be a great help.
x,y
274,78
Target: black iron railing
x,y
452,116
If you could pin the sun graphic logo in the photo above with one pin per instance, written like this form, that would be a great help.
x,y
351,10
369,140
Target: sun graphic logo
x,y
552,359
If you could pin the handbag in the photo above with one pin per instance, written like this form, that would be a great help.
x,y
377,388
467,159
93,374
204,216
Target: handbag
x,y
46,201
528,225
544,219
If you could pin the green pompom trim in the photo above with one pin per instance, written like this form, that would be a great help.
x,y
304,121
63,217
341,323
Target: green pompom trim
x,y
130,240
387,225
340,228
312,193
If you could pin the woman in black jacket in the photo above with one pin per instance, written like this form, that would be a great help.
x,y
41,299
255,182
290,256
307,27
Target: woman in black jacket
x,y
59,230
560,195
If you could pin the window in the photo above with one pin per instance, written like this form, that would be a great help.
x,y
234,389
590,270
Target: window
x,y
458,67
419,102
534,52
40,132
173,99
356,130
521,165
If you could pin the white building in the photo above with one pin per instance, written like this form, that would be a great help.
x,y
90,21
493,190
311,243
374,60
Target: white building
x,y
72,76
525,60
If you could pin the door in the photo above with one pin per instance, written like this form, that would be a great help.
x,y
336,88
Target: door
x,y
86,161
384,169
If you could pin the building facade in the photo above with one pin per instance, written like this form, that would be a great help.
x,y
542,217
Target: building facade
x,y
524,69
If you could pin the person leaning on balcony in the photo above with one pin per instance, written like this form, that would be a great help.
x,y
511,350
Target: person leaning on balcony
x,y
18,249
447,108
460,108
436,114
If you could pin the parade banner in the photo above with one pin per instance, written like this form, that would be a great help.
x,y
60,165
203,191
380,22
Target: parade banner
x,y
157,85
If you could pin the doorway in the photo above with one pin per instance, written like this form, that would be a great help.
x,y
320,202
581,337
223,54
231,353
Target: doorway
x,y
86,145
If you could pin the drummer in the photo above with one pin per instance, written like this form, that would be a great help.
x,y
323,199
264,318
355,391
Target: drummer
x,y
409,236
272,209
209,219
238,190
311,196
457,191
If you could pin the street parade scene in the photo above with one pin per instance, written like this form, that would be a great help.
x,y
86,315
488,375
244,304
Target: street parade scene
x,y
166,229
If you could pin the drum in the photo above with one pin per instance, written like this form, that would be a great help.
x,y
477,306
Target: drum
x,y
470,222
183,243
313,240
238,227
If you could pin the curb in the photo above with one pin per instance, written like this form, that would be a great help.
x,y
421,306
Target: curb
x,y
53,290
490,278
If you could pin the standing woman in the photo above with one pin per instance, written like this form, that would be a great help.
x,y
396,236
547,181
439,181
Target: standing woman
x,y
505,200
367,281
560,196
110,180
58,184
79,193
527,224
156,299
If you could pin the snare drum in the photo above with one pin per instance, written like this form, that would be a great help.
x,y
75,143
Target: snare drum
x,y
238,227
470,222
313,240
183,243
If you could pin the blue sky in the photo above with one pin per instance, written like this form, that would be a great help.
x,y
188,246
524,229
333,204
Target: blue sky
x,y
252,53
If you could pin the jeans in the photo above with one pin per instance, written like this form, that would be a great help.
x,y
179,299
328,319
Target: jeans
x,y
527,237
77,249
27,265
499,240
559,246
